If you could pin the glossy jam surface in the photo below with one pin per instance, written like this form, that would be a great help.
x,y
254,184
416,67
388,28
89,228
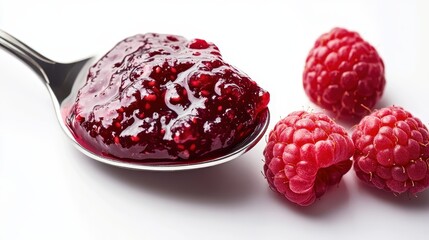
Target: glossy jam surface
x,y
157,97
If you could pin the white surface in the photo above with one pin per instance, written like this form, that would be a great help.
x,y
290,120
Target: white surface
x,y
48,190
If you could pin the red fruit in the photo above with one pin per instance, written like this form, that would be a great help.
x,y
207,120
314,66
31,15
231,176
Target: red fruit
x,y
392,151
162,97
344,74
305,154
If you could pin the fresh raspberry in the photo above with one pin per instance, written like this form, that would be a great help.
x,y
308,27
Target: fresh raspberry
x,y
163,98
392,151
344,74
305,154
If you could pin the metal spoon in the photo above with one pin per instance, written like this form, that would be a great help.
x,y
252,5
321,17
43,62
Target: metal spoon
x,y
64,79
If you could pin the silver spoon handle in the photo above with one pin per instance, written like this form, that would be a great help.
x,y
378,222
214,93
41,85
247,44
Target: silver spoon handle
x,y
39,63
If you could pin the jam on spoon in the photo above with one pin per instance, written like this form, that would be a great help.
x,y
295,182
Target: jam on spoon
x,y
160,98
63,80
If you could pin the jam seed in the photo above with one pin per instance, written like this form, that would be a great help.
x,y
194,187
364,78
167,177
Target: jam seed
x,y
205,93
208,65
135,138
192,147
204,77
157,69
230,114
116,139
199,44
175,100
195,83
150,98
80,119
181,147
151,83
176,137
172,38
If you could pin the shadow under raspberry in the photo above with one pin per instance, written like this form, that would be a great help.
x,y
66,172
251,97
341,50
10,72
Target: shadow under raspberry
x,y
405,200
327,205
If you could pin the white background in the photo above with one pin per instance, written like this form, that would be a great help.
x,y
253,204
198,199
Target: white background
x,y
49,190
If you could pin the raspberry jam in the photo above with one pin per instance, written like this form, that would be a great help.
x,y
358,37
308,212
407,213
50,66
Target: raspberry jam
x,y
157,97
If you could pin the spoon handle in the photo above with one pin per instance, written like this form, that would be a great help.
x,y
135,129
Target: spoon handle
x,y
39,63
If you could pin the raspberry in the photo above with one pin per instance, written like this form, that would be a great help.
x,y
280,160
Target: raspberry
x,y
305,154
392,151
163,98
344,74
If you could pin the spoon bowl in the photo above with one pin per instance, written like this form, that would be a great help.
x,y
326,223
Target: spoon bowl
x,y
63,80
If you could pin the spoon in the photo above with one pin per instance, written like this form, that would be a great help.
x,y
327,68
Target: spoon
x,y
64,79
